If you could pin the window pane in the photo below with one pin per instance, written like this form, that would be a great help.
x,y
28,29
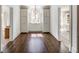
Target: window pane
x,y
35,14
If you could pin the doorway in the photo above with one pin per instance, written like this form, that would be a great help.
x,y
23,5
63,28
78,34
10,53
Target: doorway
x,y
35,18
65,28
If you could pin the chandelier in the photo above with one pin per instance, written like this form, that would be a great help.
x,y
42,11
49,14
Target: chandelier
x,y
35,14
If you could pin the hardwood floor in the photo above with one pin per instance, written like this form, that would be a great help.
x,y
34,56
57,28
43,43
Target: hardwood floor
x,y
33,43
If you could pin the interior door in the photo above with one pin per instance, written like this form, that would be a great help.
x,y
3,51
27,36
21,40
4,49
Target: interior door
x,y
23,16
46,21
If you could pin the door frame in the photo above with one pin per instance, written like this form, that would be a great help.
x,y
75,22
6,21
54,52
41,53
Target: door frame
x,y
0,27
28,24
59,12
11,23
26,19
77,29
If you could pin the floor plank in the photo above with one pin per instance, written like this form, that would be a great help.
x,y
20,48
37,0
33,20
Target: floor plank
x,y
33,43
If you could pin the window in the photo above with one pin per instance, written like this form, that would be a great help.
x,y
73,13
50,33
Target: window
x,y
35,14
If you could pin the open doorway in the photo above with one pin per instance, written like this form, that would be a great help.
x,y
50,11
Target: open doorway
x,y
35,18
65,28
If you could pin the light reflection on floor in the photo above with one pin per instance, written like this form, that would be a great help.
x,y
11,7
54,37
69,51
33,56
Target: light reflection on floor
x,y
36,35
36,44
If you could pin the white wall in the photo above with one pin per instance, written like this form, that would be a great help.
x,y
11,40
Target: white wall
x,y
35,27
16,20
54,21
5,21
5,16
74,28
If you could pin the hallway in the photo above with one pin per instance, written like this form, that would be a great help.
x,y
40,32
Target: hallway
x,y
38,28
33,43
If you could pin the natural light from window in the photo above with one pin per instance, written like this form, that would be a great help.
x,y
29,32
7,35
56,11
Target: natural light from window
x,y
35,13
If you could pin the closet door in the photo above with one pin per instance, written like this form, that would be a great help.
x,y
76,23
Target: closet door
x,y
46,19
23,15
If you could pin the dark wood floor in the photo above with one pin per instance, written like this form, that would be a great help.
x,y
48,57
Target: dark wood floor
x,y
33,43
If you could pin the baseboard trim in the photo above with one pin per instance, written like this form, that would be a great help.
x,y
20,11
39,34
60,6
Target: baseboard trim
x,y
54,37
46,32
35,32
16,37
23,32
1,52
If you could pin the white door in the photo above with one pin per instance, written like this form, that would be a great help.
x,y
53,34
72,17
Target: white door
x,y
23,22
46,21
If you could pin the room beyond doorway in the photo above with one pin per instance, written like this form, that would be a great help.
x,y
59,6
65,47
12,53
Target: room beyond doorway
x,y
35,18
